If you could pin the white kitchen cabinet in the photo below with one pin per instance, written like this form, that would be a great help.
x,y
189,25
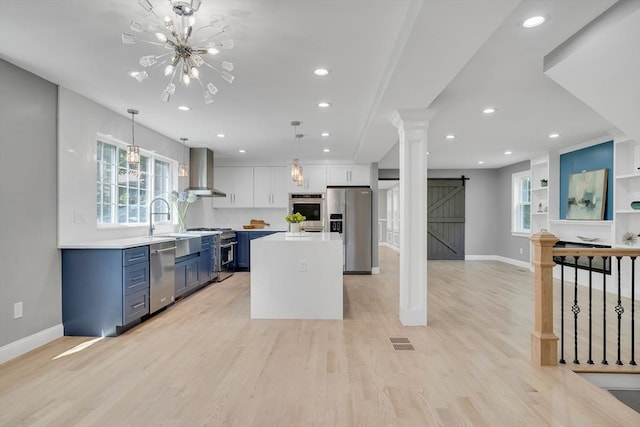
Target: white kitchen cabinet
x,y
348,175
237,183
270,187
315,180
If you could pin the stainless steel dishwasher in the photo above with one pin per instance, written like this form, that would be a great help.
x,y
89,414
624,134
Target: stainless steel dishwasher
x,y
162,281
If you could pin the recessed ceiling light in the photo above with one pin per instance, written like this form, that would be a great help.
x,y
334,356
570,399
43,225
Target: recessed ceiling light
x,y
221,135
428,152
321,72
184,108
534,21
242,151
325,134
508,152
324,104
481,162
489,110
326,150
554,135
450,136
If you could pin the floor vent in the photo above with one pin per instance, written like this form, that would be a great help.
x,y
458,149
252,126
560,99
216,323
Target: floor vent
x,y
401,344
403,347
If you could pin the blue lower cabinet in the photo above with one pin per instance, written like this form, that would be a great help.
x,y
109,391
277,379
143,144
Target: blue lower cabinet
x,y
187,274
242,251
104,291
205,259
243,255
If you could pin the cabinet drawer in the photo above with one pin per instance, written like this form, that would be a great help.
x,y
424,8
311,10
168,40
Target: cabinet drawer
x,y
206,241
135,255
135,306
135,278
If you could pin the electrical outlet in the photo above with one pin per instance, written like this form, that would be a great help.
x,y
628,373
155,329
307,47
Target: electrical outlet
x,y
17,310
302,265
521,251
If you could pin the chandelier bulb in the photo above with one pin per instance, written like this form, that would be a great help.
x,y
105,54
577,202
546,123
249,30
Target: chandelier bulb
x,y
186,79
162,37
168,69
194,73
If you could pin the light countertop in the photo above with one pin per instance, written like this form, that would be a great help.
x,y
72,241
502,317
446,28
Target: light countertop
x,y
131,242
302,237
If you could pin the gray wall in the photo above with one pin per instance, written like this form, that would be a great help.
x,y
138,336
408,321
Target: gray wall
x,y
29,259
507,245
481,207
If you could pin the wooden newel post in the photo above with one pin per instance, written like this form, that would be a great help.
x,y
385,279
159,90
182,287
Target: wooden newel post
x,y
544,343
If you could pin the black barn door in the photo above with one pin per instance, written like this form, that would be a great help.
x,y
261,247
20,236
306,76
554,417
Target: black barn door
x,y
445,219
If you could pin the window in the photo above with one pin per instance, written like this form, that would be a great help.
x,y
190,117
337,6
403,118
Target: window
x,y
521,201
123,191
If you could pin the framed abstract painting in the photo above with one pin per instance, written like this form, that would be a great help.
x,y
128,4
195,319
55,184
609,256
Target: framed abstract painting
x,y
586,196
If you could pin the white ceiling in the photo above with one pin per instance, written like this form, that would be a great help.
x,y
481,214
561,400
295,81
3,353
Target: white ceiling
x,y
453,56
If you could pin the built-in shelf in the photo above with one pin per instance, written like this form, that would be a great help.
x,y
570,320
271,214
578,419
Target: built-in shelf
x,y
540,189
628,211
628,176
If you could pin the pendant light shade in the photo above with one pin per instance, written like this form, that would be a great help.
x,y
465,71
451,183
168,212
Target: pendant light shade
x,y
183,169
133,151
296,169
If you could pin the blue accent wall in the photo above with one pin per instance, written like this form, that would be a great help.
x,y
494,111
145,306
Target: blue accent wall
x,y
587,159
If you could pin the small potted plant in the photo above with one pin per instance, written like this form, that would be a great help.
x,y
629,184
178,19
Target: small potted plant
x,y
294,220
544,182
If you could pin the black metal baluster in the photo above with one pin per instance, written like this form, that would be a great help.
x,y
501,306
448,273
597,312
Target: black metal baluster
x,y
633,296
575,309
619,310
562,310
590,361
604,310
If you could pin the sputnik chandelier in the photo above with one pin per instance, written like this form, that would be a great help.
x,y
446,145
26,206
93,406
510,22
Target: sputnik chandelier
x,y
187,47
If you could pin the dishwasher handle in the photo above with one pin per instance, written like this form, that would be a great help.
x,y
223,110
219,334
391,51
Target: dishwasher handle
x,y
157,251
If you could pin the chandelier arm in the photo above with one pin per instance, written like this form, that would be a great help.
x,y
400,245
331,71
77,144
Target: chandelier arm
x,y
212,67
222,30
153,43
208,38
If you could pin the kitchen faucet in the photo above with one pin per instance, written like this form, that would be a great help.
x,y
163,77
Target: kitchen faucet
x,y
152,213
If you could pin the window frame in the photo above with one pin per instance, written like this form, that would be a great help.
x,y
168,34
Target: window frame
x,y
517,202
152,157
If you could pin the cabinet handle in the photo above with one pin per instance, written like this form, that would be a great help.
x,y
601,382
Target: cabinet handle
x,y
140,304
157,251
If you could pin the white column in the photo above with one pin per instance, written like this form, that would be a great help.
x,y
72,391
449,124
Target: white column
x,y
412,127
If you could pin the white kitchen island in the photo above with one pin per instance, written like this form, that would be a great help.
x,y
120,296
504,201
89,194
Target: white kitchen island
x,y
297,276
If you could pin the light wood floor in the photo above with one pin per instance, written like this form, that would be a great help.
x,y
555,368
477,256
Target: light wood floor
x,y
203,362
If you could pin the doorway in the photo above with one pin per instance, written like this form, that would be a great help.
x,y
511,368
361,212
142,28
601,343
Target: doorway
x,y
445,218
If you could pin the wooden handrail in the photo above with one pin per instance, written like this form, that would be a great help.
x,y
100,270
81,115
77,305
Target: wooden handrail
x,y
614,252
544,348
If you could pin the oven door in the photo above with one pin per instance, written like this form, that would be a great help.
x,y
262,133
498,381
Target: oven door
x,y
226,255
311,210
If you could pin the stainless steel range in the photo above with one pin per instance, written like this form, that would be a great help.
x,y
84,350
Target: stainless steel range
x,y
225,247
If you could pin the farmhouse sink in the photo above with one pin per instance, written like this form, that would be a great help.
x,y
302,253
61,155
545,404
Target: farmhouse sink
x,y
186,244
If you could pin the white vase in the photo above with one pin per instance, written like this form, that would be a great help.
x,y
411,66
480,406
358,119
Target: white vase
x,y
294,227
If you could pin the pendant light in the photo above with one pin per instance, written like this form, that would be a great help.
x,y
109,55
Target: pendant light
x,y
296,169
183,169
133,151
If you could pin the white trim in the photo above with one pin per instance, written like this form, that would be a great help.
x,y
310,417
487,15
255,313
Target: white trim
x,y
587,144
375,270
499,258
26,344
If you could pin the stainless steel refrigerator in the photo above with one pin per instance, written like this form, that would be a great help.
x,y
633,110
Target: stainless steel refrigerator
x,y
349,213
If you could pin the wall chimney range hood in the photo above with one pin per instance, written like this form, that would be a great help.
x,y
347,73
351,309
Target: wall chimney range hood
x,y
201,173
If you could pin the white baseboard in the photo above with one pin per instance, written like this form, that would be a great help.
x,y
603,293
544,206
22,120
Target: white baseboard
x,y
506,260
26,344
